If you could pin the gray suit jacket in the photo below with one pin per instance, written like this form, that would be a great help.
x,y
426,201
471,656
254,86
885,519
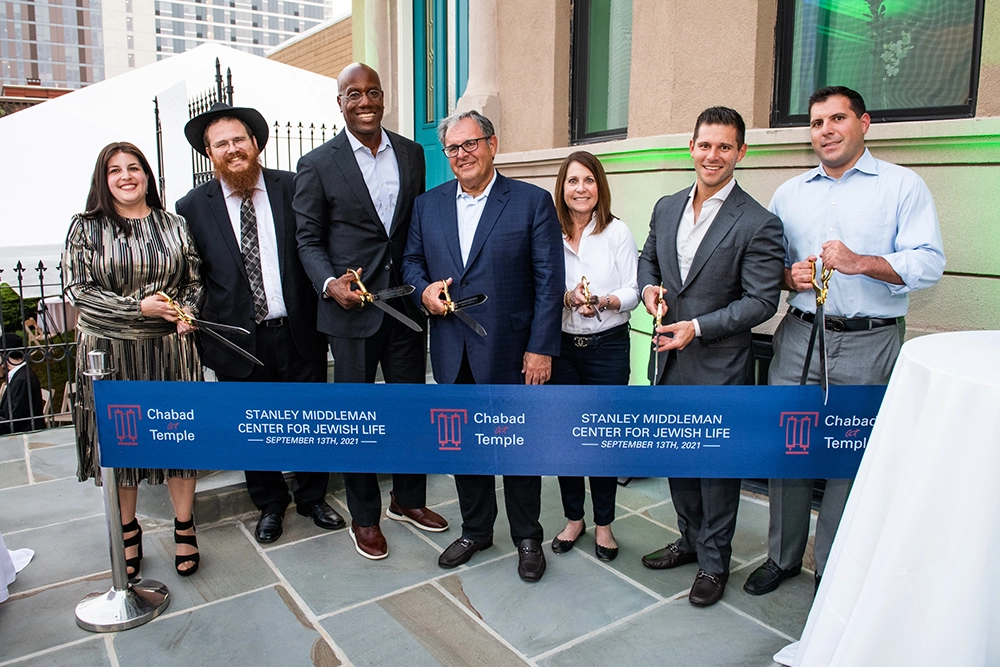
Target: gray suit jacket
x,y
734,284
339,229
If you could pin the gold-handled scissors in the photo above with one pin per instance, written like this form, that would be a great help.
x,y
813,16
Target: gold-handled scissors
x,y
457,307
657,323
590,298
377,299
821,287
212,329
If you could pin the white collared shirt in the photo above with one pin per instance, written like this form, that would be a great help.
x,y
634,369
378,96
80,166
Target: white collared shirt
x,y
267,240
691,232
609,260
470,210
381,174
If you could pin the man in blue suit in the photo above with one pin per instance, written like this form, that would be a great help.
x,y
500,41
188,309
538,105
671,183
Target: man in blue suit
x,y
486,234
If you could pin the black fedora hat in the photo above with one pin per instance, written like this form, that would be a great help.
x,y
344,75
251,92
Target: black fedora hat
x,y
195,128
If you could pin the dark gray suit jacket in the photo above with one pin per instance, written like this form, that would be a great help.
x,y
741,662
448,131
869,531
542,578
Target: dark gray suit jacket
x,y
339,229
734,284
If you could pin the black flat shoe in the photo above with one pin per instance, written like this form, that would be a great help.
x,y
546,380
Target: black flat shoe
x,y
606,554
132,564
191,540
563,546
460,551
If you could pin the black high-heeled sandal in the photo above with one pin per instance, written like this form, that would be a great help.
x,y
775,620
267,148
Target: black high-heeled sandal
x,y
186,539
132,564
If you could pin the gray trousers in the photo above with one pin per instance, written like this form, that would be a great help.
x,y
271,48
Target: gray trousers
x,y
853,357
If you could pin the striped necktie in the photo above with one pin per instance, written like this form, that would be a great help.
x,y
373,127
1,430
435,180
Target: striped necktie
x,y
251,257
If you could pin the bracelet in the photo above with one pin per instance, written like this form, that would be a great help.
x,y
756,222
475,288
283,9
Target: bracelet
x,y
607,302
568,300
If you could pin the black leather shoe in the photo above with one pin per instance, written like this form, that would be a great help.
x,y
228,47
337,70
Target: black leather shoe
x,y
322,515
268,527
767,577
708,588
563,546
606,554
668,557
530,560
460,551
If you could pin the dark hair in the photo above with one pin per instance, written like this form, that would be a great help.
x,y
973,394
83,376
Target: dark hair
x,y
602,212
451,121
218,119
723,116
853,96
100,201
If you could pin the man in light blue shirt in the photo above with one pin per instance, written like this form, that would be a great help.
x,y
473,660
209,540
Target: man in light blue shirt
x,y
873,223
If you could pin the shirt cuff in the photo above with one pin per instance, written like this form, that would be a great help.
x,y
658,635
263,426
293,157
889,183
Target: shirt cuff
x,y
326,283
697,328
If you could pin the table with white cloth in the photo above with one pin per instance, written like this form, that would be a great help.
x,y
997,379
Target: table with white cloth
x,y
56,315
914,574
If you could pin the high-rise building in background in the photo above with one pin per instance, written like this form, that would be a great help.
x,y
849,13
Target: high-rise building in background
x,y
73,43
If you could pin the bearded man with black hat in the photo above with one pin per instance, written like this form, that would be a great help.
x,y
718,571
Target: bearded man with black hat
x,y
244,226
21,398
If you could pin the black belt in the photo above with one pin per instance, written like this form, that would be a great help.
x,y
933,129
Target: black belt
x,y
274,323
846,323
620,331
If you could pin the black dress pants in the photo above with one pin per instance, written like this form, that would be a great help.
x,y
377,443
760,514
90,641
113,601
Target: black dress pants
x,y
402,354
477,496
282,363
602,362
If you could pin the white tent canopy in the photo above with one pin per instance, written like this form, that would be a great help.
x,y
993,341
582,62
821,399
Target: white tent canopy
x,y
48,151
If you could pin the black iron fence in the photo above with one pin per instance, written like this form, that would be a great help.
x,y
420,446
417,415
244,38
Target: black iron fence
x,y
289,142
40,326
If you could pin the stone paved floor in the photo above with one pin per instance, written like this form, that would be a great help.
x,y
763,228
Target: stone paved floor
x,y
309,599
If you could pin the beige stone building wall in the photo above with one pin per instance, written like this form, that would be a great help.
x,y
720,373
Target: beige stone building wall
x,y
326,51
681,64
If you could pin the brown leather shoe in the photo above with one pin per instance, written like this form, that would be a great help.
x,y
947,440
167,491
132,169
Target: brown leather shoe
x,y
422,518
369,541
708,588
668,557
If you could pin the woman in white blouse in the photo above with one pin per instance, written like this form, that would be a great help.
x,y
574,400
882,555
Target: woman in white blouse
x,y
601,260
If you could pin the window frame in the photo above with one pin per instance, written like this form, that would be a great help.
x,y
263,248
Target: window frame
x,y
784,43
579,81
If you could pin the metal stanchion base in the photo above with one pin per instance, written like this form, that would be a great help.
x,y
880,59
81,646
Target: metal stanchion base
x,y
115,610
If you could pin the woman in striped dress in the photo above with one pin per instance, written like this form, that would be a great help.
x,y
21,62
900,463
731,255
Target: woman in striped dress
x,y
118,254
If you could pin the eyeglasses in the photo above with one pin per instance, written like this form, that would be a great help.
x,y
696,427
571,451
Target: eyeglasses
x,y
355,96
238,142
470,146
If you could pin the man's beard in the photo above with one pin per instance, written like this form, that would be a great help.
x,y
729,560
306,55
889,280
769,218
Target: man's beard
x,y
241,182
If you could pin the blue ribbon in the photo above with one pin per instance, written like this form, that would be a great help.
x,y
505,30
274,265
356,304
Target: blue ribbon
x,y
690,431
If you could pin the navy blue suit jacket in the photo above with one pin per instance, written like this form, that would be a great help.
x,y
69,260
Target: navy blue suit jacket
x,y
516,260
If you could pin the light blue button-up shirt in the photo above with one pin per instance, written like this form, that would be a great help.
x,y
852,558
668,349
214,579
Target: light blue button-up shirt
x,y
875,208
470,210
381,174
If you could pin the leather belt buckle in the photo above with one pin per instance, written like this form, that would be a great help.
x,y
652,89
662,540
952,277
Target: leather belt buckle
x,y
835,324
581,341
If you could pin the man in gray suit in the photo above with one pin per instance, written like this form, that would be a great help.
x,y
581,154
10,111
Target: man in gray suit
x,y
718,256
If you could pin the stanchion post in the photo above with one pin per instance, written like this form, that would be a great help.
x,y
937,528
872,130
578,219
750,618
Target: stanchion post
x,y
126,605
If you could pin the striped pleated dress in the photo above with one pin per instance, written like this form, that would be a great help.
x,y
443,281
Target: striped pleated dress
x,y
107,274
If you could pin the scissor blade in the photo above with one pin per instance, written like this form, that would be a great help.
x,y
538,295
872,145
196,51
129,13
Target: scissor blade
x,y
474,325
393,292
398,315
218,326
470,301
232,346
597,314
823,374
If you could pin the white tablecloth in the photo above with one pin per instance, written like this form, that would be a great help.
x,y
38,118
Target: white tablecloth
x,y
914,575
56,315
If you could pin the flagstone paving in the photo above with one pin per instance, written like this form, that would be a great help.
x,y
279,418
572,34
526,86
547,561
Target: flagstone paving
x,y
309,599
